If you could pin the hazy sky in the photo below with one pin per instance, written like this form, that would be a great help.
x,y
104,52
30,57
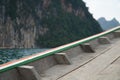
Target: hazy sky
x,y
104,8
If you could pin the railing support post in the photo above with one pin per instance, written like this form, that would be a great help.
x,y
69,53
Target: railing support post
x,y
116,34
104,40
28,73
86,47
62,58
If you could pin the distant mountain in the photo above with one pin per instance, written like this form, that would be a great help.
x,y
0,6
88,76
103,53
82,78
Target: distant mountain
x,y
108,24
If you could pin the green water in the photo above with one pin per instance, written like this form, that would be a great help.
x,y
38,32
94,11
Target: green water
x,y
7,55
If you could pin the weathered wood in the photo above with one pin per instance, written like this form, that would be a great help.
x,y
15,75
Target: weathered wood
x,y
104,40
28,73
91,69
62,58
116,34
86,47
112,72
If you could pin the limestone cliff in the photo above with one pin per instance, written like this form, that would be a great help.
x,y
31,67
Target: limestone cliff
x,y
44,23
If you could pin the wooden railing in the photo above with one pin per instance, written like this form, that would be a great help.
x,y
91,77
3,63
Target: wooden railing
x,y
8,66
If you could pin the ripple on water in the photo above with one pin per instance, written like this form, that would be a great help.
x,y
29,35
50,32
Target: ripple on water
x,y
7,55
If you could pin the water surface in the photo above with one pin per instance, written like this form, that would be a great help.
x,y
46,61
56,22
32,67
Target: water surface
x,y
7,55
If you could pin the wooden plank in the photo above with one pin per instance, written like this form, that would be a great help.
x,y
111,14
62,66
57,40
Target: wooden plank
x,y
90,70
112,72
41,55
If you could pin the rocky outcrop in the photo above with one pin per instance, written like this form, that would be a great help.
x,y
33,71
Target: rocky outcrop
x,y
44,23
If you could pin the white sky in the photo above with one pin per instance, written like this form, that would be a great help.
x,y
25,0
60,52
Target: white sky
x,y
104,8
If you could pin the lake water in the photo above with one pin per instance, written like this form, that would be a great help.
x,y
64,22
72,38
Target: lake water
x,y
7,55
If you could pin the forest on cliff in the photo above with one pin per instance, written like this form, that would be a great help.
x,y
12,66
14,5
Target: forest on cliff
x,y
44,23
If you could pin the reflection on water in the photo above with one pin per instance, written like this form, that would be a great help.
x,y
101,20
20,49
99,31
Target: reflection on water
x,y
7,55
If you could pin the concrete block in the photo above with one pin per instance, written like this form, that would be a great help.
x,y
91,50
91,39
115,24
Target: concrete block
x,y
104,40
28,73
86,47
116,34
62,58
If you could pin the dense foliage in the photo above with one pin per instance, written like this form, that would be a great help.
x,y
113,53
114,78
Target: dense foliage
x,y
63,26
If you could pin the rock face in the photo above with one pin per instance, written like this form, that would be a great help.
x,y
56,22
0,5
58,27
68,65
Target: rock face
x,y
108,24
44,23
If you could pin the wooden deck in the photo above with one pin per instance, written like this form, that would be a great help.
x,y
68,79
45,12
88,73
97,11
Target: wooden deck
x,y
104,67
94,58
